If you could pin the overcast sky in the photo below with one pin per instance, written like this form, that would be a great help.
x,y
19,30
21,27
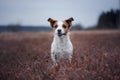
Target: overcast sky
x,y
36,12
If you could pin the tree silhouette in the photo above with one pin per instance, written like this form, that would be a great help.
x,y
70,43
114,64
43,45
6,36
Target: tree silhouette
x,y
109,20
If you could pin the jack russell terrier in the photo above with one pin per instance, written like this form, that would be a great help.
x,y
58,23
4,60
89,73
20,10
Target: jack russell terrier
x,y
61,47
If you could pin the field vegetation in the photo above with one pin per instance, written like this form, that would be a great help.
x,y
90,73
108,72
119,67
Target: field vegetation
x,y
26,56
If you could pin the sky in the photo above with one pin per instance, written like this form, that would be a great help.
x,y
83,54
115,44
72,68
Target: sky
x,y
36,12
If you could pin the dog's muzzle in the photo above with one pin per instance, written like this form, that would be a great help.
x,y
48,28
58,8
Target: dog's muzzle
x,y
60,34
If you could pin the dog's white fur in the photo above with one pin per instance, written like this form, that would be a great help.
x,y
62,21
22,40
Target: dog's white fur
x,y
61,47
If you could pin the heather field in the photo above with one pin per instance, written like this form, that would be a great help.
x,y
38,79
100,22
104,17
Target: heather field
x,y
26,56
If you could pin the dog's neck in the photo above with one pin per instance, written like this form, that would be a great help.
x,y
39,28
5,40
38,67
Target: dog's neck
x,y
62,39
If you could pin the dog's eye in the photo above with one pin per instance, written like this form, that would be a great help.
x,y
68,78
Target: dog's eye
x,y
64,26
56,26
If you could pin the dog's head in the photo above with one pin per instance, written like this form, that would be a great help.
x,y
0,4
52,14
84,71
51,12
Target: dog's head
x,y
60,27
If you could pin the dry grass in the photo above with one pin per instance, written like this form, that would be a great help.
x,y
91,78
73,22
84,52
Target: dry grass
x,y
26,56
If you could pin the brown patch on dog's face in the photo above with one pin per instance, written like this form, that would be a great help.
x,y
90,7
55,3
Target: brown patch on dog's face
x,y
54,26
53,22
66,24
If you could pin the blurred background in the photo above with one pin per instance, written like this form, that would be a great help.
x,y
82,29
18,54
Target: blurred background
x,y
32,15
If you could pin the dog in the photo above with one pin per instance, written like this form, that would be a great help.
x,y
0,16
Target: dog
x,y
61,47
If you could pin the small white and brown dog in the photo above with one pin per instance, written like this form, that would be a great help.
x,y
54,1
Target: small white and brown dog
x,y
61,47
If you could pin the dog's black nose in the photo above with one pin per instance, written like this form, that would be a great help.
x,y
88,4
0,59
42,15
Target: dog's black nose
x,y
59,30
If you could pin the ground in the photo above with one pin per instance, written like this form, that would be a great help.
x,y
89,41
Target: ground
x,y
26,56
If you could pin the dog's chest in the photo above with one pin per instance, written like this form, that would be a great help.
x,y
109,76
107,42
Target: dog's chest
x,y
62,46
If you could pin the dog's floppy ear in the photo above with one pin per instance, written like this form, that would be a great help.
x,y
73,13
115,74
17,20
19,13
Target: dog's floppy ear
x,y
52,21
69,21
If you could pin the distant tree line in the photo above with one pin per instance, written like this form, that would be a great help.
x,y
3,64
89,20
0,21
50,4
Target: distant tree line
x,y
14,27
109,20
77,27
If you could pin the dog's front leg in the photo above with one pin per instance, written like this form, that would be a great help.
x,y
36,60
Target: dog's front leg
x,y
53,56
70,58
